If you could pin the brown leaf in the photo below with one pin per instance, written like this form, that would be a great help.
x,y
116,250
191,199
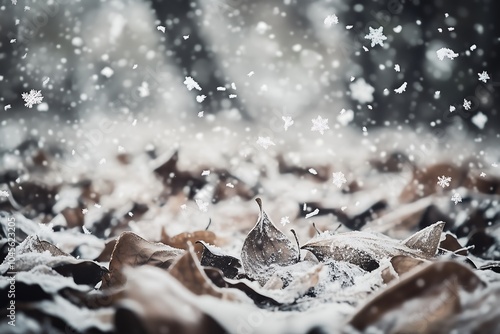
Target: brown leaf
x,y
266,247
367,249
400,265
189,272
156,302
182,240
132,250
451,243
427,296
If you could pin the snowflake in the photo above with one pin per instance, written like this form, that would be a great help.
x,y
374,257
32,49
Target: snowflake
x,y
312,214
265,142
480,120
402,88
320,124
361,91
483,174
4,193
483,76
190,84
85,211
376,36
14,2
339,179
444,181
456,198
203,206
31,98
200,98
397,68
467,104
288,122
85,230
285,220
445,52
331,20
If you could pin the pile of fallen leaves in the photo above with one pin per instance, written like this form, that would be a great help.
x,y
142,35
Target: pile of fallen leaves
x,y
76,274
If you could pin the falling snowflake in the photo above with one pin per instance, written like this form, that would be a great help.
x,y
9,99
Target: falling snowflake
x,y
483,174
397,68
203,206
331,20
161,28
312,214
402,88
445,52
31,98
467,104
361,91
265,142
339,179
456,198
14,2
444,181
200,98
452,108
376,36
190,84
483,76
313,171
285,220
4,193
288,122
85,211
320,124
480,120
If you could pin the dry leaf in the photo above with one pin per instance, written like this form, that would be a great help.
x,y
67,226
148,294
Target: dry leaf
x,y
425,298
367,249
266,247
132,250
212,257
182,240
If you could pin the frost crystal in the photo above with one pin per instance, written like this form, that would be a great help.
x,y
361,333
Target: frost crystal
x,y
190,84
444,181
483,76
456,198
467,104
285,220
376,36
402,88
339,179
361,91
480,120
265,142
31,98
445,52
320,124
331,20
288,122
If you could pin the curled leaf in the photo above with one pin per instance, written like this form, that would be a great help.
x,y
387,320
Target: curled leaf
x,y
367,249
132,250
266,247
212,257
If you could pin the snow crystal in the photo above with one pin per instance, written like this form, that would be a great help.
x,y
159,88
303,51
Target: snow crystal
x,y
467,104
320,124
107,72
191,83
445,52
361,91
397,29
312,214
480,120
402,88
285,220
265,142
32,98
288,122
345,117
397,68
456,198
483,76
376,36
339,179
331,20
444,181
313,171
200,98
161,28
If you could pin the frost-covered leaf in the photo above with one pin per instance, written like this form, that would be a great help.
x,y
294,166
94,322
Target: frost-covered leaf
x,y
266,248
213,257
368,249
